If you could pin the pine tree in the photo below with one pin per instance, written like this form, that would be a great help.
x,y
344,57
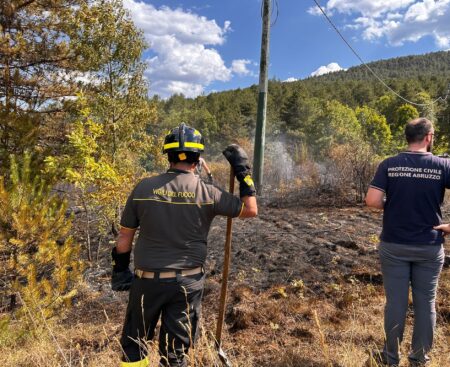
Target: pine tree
x,y
375,129
37,71
39,258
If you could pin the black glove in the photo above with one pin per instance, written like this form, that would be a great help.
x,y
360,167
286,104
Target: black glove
x,y
122,277
210,178
239,162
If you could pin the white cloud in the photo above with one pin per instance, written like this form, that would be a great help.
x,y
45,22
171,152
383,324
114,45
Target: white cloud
x,y
394,16
239,67
184,62
397,21
169,87
188,27
425,10
365,7
314,10
290,80
330,68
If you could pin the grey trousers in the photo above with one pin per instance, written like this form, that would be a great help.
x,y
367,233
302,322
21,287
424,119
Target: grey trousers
x,y
402,266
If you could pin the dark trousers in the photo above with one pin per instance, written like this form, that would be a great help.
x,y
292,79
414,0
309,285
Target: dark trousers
x,y
178,302
403,266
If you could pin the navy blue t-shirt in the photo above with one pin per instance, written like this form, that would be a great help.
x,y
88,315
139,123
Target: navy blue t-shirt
x,y
414,184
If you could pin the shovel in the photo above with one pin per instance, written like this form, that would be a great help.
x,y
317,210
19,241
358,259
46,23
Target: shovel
x,y
223,292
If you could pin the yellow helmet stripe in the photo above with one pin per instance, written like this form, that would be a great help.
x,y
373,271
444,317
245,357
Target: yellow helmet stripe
x,y
194,145
172,145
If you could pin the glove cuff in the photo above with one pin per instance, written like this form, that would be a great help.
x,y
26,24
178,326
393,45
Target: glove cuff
x,y
246,186
120,262
243,174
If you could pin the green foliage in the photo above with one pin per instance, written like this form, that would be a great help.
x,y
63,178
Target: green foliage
x,y
113,48
98,184
53,49
406,67
298,108
428,109
86,168
39,256
34,54
386,105
403,114
109,131
336,125
375,129
442,138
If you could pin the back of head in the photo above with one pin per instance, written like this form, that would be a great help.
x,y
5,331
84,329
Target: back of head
x,y
417,129
183,144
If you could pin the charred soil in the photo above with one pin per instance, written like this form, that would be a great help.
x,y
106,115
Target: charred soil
x,y
305,289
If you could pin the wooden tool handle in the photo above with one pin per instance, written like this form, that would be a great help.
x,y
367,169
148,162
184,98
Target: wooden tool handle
x,y
226,270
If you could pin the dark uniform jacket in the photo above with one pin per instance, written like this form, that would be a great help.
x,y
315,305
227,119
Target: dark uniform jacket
x,y
174,212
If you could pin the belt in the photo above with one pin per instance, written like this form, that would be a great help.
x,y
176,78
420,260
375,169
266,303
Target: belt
x,y
167,274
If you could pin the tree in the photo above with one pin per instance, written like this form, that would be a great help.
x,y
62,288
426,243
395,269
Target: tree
x,y
336,125
97,184
49,51
442,138
375,129
403,114
112,48
113,115
291,113
37,72
427,108
40,259
386,105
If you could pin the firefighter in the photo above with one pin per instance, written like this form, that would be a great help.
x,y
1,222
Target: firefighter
x,y
173,212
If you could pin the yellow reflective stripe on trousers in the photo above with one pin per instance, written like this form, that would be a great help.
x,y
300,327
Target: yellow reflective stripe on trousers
x,y
142,363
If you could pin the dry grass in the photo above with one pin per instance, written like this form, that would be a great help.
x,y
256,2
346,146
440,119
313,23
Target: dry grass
x,y
287,326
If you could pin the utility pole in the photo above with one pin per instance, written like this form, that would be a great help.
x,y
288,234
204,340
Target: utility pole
x,y
260,134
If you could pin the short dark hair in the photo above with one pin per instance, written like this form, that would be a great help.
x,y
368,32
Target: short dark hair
x,y
190,157
417,129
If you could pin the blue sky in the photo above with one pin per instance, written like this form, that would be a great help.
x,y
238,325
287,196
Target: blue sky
x,y
197,47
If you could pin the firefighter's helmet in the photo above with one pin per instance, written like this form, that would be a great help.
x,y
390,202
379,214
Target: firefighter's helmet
x,y
183,139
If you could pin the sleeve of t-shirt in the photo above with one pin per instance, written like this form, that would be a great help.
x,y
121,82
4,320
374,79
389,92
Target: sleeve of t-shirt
x,y
225,203
447,173
129,215
380,181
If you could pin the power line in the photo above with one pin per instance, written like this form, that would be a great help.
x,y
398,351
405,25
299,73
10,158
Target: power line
x,y
278,13
277,7
373,72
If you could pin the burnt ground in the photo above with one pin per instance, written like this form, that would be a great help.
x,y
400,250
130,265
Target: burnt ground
x,y
305,289
315,245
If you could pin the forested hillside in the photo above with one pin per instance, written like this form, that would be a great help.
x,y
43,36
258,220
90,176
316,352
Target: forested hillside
x,y
407,67
314,108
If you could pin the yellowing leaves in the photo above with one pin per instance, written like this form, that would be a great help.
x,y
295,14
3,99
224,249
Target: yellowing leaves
x,y
34,242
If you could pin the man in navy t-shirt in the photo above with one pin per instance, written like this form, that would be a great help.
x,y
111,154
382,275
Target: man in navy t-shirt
x,y
410,188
